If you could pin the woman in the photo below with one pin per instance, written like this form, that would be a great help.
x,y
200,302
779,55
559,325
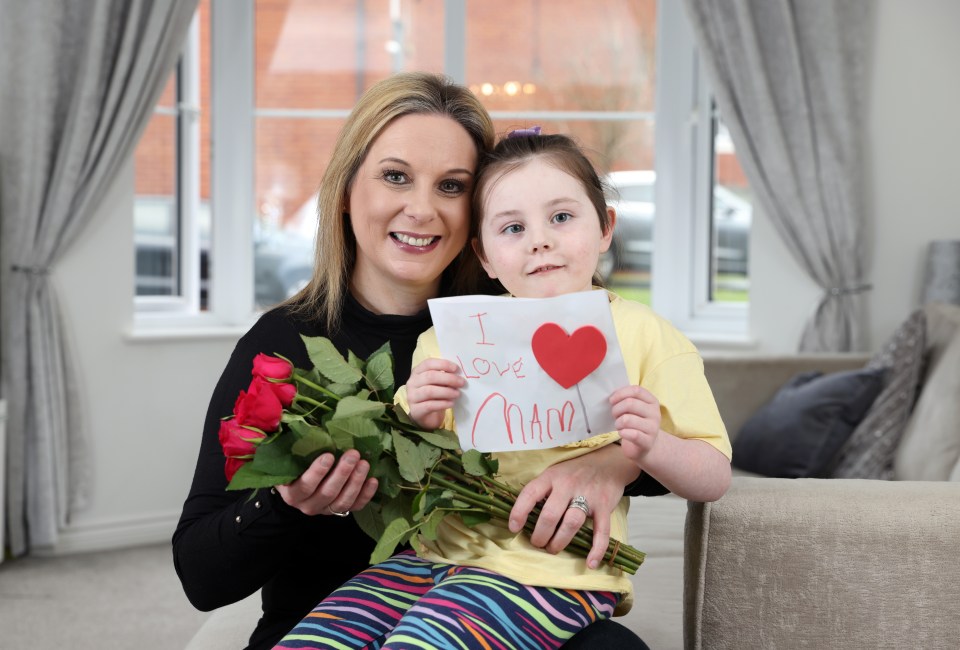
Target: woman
x,y
394,212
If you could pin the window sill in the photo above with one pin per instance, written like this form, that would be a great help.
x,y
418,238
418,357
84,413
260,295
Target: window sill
x,y
151,327
720,342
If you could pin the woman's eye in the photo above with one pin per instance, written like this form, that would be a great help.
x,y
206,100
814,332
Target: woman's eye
x,y
513,229
452,187
562,217
393,176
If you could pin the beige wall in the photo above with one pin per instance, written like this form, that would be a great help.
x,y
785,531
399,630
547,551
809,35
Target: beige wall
x,y
145,401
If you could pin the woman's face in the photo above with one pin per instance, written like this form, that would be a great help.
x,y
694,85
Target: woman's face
x,y
409,206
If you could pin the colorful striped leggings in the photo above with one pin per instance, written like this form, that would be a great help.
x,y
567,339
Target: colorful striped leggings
x,y
407,602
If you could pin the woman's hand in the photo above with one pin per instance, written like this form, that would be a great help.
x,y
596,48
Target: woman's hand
x,y
599,476
637,415
433,387
327,489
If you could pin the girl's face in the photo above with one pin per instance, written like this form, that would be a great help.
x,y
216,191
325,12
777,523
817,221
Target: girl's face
x,y
540,232
409,207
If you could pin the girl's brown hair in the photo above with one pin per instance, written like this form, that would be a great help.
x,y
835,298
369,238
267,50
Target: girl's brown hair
x,y
561,151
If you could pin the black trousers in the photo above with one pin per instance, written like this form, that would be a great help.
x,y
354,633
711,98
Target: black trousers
x,y
605,635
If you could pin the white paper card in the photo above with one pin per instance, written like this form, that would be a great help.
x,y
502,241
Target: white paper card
x,y
517,354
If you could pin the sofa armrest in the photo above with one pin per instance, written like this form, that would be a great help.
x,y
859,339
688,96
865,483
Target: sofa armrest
x,y
823,563
742,384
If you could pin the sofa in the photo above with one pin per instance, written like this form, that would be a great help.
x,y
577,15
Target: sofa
x,y
834,562
795,562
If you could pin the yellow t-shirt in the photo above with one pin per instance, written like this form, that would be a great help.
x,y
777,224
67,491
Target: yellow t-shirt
x,y
658,357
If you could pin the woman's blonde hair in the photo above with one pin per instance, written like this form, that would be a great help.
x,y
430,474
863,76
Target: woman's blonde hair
x,y
402,94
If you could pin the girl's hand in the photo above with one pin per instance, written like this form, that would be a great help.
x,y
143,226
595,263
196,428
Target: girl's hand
x,y
433,387
598,477
637,415
328,489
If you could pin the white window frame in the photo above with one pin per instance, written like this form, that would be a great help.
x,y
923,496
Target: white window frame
x,y
684,160
684,165
187,161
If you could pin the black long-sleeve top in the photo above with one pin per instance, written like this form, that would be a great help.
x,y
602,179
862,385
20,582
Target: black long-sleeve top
x,y
227,545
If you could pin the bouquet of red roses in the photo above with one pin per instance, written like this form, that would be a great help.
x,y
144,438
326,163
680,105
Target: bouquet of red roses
x,y
289,416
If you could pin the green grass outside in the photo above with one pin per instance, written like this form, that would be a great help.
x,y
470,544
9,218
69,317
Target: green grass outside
x,y
633,286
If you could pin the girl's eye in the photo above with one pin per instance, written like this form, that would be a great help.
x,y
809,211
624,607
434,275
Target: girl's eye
x,y
393,176
452,187
513,229
562,217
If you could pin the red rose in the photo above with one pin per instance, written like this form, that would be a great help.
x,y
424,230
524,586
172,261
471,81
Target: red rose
x,y
284,392
259,406
269,367
231,467
237,440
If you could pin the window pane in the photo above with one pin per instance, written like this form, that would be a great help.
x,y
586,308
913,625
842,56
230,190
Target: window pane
x,y
292,155
589,55
732,214
528,57
172,180
155,222
323,55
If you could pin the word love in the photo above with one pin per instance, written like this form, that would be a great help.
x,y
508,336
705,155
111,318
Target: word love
x,y
483,367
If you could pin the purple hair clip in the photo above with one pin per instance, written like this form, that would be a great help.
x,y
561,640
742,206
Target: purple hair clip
x,y
524,133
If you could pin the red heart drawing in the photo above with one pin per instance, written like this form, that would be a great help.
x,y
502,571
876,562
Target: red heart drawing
x,y
568,358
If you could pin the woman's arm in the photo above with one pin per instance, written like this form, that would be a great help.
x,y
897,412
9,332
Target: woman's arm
x,y
599,476
227,545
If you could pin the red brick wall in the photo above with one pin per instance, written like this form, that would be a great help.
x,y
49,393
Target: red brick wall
x,y
596,55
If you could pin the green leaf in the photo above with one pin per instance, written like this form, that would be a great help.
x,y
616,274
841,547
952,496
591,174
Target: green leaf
x,y
313,441
474,517
392,535
351,406
328,361
409,459
355,361
441,438
275,457
428,528
403,417
346,431
475,463
343,390
369,520
379,372
429,454
388,475
399,507
247,477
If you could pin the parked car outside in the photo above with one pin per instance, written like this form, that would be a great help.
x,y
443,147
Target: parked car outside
x,y
632,247
283,259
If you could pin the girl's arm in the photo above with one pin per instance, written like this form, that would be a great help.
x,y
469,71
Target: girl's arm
x,y
690,468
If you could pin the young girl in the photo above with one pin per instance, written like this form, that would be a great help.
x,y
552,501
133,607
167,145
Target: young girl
x,y
542,224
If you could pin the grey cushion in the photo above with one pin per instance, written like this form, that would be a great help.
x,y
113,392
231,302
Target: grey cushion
x,y
869,451
930,449
799,431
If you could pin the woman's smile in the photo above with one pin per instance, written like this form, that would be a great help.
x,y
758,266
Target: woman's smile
x,y
415,243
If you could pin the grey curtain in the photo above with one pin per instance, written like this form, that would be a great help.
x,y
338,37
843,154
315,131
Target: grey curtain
x,y
79,80
790,84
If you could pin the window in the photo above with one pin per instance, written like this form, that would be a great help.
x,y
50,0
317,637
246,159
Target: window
x,y
171,198
285,74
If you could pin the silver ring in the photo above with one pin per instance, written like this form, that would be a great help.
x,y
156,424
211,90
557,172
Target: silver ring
x,y
338,514
580,503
